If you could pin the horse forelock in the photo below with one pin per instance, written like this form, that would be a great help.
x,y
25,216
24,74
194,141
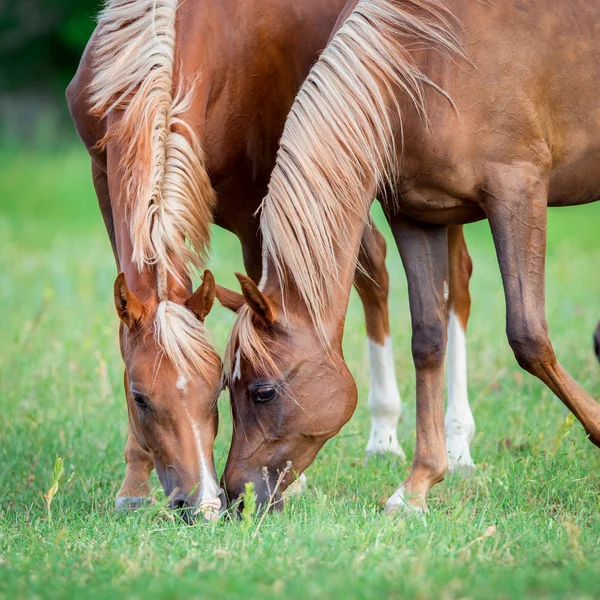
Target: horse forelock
x,y
245,340
165,183
184,339
338,143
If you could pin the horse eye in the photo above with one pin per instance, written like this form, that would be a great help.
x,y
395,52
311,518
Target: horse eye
x,y
263,394
140,401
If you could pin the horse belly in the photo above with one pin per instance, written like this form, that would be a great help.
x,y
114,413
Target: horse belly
x,y
438,207
577,181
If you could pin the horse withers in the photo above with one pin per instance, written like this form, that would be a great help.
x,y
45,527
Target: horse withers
x,y
451,112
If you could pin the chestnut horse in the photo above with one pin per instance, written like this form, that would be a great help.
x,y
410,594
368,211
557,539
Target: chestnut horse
x,y
451,113
165,162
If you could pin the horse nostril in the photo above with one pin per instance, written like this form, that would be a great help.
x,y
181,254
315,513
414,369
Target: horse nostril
x,y
223,500
184,510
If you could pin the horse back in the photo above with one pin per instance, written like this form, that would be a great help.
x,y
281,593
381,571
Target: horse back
x,y
528,95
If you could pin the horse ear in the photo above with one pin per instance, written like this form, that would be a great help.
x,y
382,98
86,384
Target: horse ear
x,y
202,300
257,301
230,299
129,308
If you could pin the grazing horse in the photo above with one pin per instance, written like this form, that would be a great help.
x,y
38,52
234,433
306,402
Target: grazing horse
x,y
450,113
187,106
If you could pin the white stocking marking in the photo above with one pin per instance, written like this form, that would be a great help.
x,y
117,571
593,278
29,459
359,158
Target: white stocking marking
x,y
384,400
460,425
296,487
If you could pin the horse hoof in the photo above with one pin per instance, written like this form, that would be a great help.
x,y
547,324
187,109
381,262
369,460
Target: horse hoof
x,y
130,503
401,505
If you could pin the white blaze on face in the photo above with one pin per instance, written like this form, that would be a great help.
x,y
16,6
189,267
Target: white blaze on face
x,y
460,425
384,400
181,384
209,502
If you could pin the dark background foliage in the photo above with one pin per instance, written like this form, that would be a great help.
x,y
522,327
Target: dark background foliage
x,y
41,42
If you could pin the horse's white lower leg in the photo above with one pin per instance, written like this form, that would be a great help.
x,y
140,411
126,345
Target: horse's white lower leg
x,y
384,400
460,425
296,487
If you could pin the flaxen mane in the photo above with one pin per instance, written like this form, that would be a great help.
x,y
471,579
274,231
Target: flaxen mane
x,y
165,181
165,184
338,145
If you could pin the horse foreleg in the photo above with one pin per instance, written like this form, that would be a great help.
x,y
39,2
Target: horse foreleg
x,y
135,487
372,283
424,252
516,207
460,425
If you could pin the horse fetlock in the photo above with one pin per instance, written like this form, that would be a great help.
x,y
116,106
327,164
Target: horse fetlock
x,y
532,349
459,434
384,438
460,426
459,456
427,471
403,502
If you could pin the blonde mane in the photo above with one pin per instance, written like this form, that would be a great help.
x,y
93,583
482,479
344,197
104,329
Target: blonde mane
x,y
338,147
165,185
183,338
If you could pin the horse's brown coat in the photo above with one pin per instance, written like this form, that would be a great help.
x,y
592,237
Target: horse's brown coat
x,y
523,134
251,58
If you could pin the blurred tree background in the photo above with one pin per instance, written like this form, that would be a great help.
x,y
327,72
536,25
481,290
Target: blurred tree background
x,y
41,42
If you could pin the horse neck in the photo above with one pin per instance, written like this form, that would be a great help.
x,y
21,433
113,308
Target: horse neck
x,y
330,327
152,283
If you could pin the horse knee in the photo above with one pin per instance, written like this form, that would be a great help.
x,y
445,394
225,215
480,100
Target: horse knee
x,y
429,345
531,347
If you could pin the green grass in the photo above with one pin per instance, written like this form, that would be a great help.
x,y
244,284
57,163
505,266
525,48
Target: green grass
x,y
61,395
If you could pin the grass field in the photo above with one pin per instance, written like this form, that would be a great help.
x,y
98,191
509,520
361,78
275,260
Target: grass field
x,y
537,481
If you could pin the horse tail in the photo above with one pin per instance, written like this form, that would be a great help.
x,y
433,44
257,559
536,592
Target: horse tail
x,y
164,179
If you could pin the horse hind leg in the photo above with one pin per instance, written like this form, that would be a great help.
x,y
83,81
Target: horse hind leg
x,y
516,206
460,424
372,283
